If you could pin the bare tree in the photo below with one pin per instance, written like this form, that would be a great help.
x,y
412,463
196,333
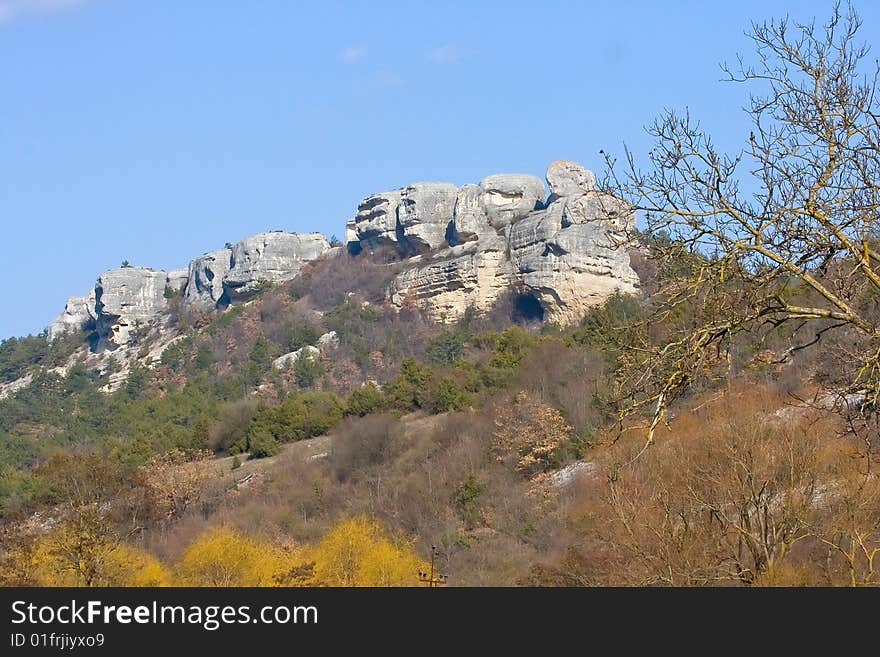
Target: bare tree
x,y
782,235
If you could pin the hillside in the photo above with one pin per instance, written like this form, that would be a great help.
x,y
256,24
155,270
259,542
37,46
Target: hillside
x,y
462,376
212,378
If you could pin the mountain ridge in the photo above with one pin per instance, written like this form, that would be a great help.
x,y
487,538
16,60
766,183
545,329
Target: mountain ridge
x,y
465,246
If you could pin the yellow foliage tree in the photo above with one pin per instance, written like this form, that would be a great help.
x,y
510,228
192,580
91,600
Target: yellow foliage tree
x,y
224,557
354,552
41,563
18,558
358,552
129,566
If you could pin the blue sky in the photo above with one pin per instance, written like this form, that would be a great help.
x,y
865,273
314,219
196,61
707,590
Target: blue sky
x,y
153,131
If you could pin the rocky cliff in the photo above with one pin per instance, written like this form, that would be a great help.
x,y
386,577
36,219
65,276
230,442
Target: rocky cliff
x,y
127,300
219,277
469,245
464,246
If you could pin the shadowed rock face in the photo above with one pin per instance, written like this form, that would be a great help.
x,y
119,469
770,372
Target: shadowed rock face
x,y
204,284
78,315
414,219
376,220
424,214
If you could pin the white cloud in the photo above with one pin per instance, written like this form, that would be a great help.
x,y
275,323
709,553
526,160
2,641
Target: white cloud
x,y
446,54
352,54
11,9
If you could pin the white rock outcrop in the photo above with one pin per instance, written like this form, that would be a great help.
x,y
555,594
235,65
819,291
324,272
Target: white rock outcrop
x,y
458,278
204,284
375,223
78,315
465,247
424,215
509,197
289,360
126,298
566,252
470,221
176,280
271,258
572,472
414,219
328,341
568,178
219,277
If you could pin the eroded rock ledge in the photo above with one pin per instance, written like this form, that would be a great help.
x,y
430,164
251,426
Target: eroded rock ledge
x,y
562,249
127,298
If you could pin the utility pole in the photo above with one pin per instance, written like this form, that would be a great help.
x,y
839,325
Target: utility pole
x,y
430,579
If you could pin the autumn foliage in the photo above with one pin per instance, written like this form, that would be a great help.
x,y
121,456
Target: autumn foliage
x,y
531,432
354,552
359,552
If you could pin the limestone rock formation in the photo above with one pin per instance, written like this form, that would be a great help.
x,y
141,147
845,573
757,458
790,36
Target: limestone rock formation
x,y
565,252
376,220
328,341
176,280
528,237
78,315
289,360
136,296
424,214
204,284
465,248
509,197
351,235
570,255
469,220
414,219
271,258
128,297
573,269
573,472
568,178
457,278
594,206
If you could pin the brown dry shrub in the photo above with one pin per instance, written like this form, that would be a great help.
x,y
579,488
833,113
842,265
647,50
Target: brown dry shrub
x,y
566,378
735,493
528,433
362,442
330,281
